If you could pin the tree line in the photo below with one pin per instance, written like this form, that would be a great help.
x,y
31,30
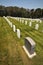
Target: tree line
x,y
21,12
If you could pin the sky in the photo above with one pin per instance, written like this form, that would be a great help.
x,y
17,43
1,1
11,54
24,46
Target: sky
x,y
30,4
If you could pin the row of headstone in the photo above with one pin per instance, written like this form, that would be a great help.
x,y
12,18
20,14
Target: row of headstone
x,y
30,24
18,31
32,20
37,20
10,23
22,20
26,22
36,26
14,27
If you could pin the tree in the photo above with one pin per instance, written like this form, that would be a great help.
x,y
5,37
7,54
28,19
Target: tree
x,y
21,12
38,13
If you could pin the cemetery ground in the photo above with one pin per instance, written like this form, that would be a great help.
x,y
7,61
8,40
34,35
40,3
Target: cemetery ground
x,y
11,51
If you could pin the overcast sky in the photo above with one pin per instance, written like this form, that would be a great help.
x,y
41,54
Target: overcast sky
x,y
23,3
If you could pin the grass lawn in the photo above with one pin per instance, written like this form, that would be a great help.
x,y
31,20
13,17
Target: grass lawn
x,y
11,52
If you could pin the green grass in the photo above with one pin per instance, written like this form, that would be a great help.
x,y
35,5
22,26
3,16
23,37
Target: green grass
x,y
11,52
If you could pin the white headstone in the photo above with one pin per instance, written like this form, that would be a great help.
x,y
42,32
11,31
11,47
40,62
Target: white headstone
x,y
10,24
25,22
40,21
30,24
7,20
36,26
22,21
18,33
18,19
14,28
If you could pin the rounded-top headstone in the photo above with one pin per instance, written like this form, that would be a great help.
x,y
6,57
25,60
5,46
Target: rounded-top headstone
x,y
14,28
40,21
18,33
22,21
30,24
31,41
10,24
36,26
25,22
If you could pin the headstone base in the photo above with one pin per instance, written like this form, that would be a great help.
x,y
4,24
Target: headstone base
x,y
28,54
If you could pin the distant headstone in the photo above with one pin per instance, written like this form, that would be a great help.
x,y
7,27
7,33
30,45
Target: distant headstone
x,y
22,21
10,24
18,19
36,26
14,28
18,33
7,21
30,24
25,22
40,21
29,47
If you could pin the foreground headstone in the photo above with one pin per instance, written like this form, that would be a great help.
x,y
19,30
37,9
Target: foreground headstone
x,y
14,28
37,26
29,47
18,33
30,24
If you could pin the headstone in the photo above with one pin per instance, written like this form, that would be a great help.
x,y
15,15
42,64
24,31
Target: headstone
x,y
10,24
22,21
40,21
18,19
30,24
14,28
18,33
29,47
25,22
7,20
36,26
